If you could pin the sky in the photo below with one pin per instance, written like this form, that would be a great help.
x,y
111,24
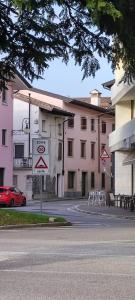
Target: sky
x,y
66,80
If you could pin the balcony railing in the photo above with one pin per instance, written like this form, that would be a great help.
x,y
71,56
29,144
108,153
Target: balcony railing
x,y
22,163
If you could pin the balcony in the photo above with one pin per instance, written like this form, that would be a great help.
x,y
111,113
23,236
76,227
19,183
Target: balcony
x,y
123,138
23,163
122,92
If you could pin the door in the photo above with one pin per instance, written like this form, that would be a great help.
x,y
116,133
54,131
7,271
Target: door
x,y
1,176
84,178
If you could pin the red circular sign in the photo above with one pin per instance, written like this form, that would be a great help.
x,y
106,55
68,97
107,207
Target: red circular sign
x,y
41,149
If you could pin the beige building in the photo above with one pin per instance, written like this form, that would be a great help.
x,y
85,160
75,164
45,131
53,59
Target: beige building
x,y
122,140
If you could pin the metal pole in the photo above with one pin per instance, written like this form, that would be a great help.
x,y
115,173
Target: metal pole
x,y
63,150
98,144
29,129
41,195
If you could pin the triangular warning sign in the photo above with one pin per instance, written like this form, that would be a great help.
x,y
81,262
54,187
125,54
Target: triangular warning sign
x,y
104,154
41,164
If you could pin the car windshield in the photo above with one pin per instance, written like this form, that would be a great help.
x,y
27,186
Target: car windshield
x,y
2,190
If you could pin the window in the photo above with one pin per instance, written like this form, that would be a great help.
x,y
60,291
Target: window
x,y
83,123
70,147
92,124
93,150
43,125
4,95
103,180
59,151
71,178
83,149
59,129
4,136
113,127
103,127
19,150
71,122
92,180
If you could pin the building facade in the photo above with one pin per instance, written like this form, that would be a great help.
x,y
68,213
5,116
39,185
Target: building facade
x,y
33,119
122,140
6,128
81,139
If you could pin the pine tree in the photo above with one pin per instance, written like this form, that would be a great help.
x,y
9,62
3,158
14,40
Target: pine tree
x,y
35,32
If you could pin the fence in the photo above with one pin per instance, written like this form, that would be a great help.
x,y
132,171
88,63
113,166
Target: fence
x,y
97,198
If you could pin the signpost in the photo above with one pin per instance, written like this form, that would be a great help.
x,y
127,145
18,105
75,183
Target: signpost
x,y
104,155
40,161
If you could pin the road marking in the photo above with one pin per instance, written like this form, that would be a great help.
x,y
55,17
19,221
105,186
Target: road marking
x,y
69,272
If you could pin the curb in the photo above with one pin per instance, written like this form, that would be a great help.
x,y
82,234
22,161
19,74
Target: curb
x,y
105,214
23,226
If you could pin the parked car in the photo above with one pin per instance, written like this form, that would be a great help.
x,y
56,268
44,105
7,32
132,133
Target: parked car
x,y
11,196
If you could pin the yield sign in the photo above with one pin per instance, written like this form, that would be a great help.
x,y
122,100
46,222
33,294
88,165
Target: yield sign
x,y
104,154
41,164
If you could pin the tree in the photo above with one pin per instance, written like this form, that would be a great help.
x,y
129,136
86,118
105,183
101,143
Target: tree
x,y
34,32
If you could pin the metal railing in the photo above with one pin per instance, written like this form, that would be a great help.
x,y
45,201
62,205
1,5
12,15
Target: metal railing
x,y
25,162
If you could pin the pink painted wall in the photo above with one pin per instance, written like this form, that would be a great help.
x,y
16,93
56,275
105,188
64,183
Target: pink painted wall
x,y
78,164
6,122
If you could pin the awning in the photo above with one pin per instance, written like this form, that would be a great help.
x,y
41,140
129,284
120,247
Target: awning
x,y
130,159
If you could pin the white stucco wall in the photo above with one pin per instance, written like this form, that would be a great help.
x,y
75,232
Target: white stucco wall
x,y
122,174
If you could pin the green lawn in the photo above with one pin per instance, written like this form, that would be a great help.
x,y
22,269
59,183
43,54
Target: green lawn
x,y
8,217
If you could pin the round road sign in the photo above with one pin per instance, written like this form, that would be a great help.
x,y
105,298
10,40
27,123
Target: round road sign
x,y
41,149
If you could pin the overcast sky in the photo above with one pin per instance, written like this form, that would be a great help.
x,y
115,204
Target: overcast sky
x,y
66,80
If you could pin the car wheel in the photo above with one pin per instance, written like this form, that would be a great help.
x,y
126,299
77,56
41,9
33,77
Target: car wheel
x,y
24,202
12,203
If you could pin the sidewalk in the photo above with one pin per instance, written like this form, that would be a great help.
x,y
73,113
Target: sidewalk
x,y
107,211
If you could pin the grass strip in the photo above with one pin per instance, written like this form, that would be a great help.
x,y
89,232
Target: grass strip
x,y
8,217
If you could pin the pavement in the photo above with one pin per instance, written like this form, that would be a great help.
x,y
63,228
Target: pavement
x,y
111,211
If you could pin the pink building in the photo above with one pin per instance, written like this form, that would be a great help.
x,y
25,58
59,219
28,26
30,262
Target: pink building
x,y
6,128
83,139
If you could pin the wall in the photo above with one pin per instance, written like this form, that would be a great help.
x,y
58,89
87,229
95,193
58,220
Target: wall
x,y
123,113
6,122
51,133
87,164
122,174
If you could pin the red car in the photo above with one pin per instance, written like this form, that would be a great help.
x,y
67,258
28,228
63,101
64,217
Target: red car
x,y
11,196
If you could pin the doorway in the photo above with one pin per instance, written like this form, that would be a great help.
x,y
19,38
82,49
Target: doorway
x,y
84,179
1,176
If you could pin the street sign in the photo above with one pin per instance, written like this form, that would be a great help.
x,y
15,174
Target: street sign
x,y
40,157
104,154
41,164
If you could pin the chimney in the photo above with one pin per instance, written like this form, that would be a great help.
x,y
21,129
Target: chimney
x,y
95,97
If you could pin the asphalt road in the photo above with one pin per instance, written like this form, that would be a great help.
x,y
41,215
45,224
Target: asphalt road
x,y
94,259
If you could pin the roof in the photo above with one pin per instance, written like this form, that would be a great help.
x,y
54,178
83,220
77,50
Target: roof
x,y
53,95
105,101
49,108
108,84
19,82
91,106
